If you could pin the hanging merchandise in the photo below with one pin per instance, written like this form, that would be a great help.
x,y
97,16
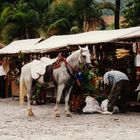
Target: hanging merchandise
x,y
121,53
94,52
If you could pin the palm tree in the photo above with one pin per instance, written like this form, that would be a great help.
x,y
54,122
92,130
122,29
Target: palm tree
x,y
131,13
18,22
24,19
89,13
41,8
60,17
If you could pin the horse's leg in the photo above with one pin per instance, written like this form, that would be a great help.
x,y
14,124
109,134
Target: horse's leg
x,y
58,97
67,111
30,112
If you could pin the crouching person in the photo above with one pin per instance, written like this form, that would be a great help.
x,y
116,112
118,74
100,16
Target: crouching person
x,y
119,83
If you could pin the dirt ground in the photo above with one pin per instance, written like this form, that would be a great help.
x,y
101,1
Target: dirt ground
x,y
16,125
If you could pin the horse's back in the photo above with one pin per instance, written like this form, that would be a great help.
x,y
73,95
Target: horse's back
x,y
48,61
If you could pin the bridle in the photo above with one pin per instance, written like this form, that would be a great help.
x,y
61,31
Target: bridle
x,y
82,60
72,71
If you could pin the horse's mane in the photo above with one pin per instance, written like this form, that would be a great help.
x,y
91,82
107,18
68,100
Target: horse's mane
x,y
76,53
73,55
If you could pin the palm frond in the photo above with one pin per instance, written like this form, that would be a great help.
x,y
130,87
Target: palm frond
x,y
9,32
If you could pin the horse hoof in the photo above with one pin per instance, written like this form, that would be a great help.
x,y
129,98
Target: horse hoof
x,y
30,113
68,115
57,115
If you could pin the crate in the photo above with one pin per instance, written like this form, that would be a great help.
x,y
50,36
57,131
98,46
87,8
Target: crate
x,y
15,89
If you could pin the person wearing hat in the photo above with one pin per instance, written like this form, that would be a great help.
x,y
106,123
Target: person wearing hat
x,y
2,80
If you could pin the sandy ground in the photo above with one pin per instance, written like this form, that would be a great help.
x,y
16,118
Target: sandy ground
x,y
16,125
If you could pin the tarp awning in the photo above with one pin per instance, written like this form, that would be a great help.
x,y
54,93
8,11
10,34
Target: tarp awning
x,y
60,41
19,45
92,37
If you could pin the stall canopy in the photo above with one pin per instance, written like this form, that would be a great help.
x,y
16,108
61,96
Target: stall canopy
x,y
19,45
92,37
60,41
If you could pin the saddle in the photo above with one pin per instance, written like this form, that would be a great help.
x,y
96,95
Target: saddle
x,y
58,62
44,67
48,76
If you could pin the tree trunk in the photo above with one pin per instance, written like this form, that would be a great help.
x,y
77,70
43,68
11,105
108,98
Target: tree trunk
x,y
27,34
117,14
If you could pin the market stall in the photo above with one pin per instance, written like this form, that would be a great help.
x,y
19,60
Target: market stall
x,y
104,47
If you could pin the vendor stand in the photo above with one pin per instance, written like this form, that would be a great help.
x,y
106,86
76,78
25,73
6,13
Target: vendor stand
x,y
103,45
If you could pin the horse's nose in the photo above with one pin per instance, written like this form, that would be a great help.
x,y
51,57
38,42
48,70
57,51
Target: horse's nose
x,y
89,66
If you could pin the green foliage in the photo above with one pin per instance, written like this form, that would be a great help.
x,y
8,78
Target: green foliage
x,y
62,25
36,93
60,18
25,18
132,13
75,29
138,97
91,11
87,82
9,32
6,15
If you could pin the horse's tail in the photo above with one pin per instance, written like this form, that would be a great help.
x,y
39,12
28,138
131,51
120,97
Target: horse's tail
x,y
22,91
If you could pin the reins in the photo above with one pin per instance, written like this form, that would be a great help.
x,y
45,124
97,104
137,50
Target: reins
x,y
68,70
66,63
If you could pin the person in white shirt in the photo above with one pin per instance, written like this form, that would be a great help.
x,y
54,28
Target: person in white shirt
x,y
2,80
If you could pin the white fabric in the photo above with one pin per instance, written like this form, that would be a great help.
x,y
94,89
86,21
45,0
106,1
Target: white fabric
x,y
138,88
38,68
104,107
48,61
138,60
2,72
92,106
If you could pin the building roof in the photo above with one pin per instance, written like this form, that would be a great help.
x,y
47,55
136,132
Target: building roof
x,y
60,41
18,46
86,38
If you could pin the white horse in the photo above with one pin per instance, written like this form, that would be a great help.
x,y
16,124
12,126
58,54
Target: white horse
x,y
64,78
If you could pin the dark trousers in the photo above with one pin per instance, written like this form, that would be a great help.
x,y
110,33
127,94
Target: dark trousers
x,y
2,86
119,89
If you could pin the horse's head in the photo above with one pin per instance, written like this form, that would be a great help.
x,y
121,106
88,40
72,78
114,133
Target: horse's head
x,y
85,57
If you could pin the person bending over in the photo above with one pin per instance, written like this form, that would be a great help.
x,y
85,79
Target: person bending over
x,y
119,83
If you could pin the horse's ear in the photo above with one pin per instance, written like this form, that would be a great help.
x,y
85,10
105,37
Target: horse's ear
x,y
80,47
86,46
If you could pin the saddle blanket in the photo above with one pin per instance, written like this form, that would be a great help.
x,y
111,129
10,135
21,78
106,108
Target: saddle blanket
x,y
38,67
